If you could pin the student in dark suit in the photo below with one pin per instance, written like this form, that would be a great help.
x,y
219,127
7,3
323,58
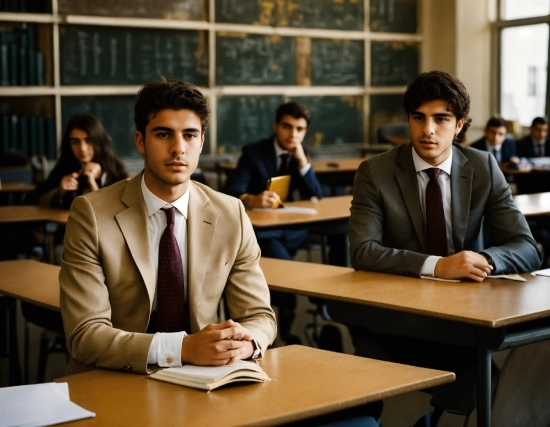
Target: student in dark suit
x,y
279,154
496,142
536,144
417,211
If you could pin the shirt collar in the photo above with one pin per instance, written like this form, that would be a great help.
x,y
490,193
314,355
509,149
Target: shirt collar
x,y
420,164
492,147
537,142
278,150
153,203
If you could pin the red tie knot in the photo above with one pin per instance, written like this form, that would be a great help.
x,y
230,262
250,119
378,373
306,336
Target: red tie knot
x,y
170,215
433,173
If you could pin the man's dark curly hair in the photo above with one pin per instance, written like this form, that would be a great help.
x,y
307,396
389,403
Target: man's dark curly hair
x,y
438,85
169,94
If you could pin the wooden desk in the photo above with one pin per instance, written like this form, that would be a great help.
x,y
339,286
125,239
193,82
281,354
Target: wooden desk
x,y
16,187
329,209
493,315
309,382
31,281
320,166
533,204
28,213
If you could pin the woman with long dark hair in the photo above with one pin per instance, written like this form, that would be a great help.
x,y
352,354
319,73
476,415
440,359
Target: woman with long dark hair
x,y
86,163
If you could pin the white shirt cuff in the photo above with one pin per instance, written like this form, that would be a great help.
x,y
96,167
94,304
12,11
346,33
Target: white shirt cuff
x,y
165,350
428,268
305,169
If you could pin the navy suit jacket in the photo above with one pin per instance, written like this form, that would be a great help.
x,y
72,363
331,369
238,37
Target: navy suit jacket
x,y
525,147
258,163
507,150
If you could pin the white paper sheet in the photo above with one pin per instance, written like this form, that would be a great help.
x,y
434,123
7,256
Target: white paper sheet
x,y
439,279
545,272
288,209
509,276
38,405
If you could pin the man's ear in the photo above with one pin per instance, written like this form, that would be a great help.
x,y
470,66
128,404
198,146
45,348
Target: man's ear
x,y
460,125
140,142
202,141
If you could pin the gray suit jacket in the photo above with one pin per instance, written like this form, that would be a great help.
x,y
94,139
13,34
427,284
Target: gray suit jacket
x,y
387,232
108,279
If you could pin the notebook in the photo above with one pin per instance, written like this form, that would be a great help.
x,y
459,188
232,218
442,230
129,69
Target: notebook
x,y
280,185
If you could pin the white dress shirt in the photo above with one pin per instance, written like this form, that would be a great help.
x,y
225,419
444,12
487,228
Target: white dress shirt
x,y
165,348
279,151
444,180
491,149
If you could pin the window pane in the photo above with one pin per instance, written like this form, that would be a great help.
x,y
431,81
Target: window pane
x,y
515,9
523,72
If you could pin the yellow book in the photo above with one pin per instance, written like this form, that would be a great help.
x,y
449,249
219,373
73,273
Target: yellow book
x,y
280,185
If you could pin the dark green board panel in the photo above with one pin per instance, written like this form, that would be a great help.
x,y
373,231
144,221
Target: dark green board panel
x,y
337,62
335,119
385,109
332,14
250,59
393,16
394,63
245,119
91,55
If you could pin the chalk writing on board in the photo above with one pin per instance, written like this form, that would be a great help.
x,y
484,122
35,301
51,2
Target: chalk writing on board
x,y
394,63
337,62
247,59
123,56
397,16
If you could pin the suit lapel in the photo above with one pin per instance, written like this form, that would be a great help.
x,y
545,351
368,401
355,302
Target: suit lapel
x,y
405,174
201,224
132,222
461,193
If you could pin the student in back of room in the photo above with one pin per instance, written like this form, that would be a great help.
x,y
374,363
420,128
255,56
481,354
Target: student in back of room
x,y
536,144
281,154
417,211
497,143
87,162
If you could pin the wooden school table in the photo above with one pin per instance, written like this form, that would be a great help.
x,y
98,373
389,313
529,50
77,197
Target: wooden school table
x,y
493,315
533,204
31,213
309,382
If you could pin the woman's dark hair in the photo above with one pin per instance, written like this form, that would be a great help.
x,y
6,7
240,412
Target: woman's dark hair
x,y
104,154
169,94
438,85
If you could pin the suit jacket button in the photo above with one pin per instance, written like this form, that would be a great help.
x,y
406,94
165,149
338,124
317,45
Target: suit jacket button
x,y
127,368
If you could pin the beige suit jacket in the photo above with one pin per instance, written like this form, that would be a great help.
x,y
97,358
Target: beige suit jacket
x,y
108,278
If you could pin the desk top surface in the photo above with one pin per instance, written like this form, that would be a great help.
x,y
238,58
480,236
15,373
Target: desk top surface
x,y
16,187
533,204
493,303
31,281
328,209
30,213
320,166
309,382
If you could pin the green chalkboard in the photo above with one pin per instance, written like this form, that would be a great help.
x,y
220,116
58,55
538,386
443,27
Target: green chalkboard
x,y
393,16
385,109
91,55
244,119
249,59
116,113
161,9
394,63
335,119
332,14
337,62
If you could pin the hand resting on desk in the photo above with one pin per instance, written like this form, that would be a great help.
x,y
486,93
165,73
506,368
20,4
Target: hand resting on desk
x,y
463,265
217,344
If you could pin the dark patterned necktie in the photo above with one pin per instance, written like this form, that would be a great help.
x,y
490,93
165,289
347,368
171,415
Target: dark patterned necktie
x,y
495,153
436,232
172,313
541,150
284,167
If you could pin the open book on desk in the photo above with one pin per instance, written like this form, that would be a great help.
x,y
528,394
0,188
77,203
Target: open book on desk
x,y
211,377
288,209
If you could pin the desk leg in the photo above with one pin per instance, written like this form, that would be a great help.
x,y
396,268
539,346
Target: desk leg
x,y
484,388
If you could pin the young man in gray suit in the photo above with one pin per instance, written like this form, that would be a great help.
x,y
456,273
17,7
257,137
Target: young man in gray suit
x,y
409,219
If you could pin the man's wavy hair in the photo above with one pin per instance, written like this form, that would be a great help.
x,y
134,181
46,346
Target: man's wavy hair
x,y
169,94
438,85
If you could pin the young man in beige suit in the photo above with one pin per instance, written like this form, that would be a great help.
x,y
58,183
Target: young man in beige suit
x,y
112,295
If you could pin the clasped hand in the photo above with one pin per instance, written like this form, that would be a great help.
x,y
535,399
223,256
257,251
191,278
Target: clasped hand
x,y
463,265
217,344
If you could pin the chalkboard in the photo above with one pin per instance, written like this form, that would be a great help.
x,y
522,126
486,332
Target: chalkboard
x,y
332,14
385,109
337,62
394,63
191,10
336,119
244,119
116,113
91,55
393,16
249,59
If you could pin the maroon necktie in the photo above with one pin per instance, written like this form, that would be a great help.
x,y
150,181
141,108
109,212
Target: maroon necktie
x,y
172,313
541,150
436,232
284,167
